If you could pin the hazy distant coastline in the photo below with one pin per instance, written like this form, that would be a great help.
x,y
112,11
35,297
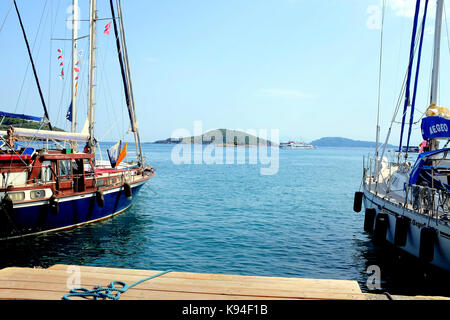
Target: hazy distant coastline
x,y
227,137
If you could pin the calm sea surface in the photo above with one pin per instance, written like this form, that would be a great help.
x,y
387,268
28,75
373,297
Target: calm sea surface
x,y
230,219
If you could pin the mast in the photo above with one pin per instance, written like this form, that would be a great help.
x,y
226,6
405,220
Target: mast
x,y
416,80
91,94
127,78
74,63
437,49
34,68
408,81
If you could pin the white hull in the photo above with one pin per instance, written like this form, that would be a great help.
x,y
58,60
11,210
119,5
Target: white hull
x,y
441,256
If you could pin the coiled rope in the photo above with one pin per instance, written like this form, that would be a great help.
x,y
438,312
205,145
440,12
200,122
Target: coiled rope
x,y
111,292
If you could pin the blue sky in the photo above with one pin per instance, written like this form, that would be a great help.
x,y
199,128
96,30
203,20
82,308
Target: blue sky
x,y
307,68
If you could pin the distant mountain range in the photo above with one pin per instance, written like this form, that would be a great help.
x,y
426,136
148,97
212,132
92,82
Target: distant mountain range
x,y
338,142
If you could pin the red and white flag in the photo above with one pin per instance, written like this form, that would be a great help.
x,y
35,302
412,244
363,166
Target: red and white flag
x,y
61,63
107,28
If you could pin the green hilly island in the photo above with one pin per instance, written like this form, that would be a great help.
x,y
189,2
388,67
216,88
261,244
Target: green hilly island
x,y
225,137
229,137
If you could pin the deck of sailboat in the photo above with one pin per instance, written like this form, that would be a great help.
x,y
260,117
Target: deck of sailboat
x,y
380,189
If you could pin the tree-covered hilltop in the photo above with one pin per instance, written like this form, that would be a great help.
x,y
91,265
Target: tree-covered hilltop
x,y
27,124
225,137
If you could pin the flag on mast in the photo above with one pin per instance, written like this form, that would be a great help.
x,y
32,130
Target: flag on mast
x,y
69,113
122,155
114,153
107,28
61,63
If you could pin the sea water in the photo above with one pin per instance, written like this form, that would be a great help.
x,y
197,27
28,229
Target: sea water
x,y
231,219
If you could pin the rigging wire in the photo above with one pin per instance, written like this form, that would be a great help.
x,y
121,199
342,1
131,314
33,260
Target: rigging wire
x,y
6,17
379,79
29,62
399,102
52,30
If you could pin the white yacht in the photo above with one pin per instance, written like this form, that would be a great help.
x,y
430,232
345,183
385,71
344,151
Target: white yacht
x,y
407,204
296,145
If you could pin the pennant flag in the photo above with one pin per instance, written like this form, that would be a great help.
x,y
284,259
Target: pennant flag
x,y
113,153
107,28
122,155
69,113
61,63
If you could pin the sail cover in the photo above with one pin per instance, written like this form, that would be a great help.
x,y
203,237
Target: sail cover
x,y
435,127
46,134
19,116
420,166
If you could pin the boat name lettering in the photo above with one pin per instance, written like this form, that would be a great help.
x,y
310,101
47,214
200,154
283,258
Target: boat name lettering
x,y
440,127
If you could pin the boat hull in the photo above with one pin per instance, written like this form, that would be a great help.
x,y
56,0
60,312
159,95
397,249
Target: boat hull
x,y
38,217
418,221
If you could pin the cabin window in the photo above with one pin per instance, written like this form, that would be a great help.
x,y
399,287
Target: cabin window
x,y
100,183
77,165
38,194
88,171
17,196
46,171
65,168
112,181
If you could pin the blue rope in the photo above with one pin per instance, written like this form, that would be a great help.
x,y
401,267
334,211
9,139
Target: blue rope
x,y
107,293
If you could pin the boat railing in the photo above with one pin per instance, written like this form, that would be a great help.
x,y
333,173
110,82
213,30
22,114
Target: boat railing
x,y
432,202
426,200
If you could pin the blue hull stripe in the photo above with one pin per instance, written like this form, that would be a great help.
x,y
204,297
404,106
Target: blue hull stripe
x,y
36,219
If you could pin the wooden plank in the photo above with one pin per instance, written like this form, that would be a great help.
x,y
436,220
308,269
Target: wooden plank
x,y
148,291
352,286
167,280
21,294
51,279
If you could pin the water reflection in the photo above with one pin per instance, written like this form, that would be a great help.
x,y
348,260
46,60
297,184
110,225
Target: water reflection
x,y
115,241
401,273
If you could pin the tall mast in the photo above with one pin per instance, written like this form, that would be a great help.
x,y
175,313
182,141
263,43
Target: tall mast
x,y
33,66
91,103
131,106
437,48
74,63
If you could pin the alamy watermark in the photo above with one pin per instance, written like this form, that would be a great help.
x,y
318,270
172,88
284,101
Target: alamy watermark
x,y
374,280
74,279
227,147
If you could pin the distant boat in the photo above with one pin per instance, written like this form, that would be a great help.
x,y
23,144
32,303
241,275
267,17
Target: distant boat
x,y
296,145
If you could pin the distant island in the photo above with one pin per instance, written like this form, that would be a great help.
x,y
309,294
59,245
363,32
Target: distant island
x,y
338,142
222,137
228,137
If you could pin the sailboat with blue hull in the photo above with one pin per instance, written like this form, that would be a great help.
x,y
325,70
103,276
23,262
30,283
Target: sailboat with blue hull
x,y
52,189
406,200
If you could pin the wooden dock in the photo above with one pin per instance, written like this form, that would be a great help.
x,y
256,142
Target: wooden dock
x,y
52,284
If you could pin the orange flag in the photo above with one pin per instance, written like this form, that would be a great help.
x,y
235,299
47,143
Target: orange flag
x,y
122,155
